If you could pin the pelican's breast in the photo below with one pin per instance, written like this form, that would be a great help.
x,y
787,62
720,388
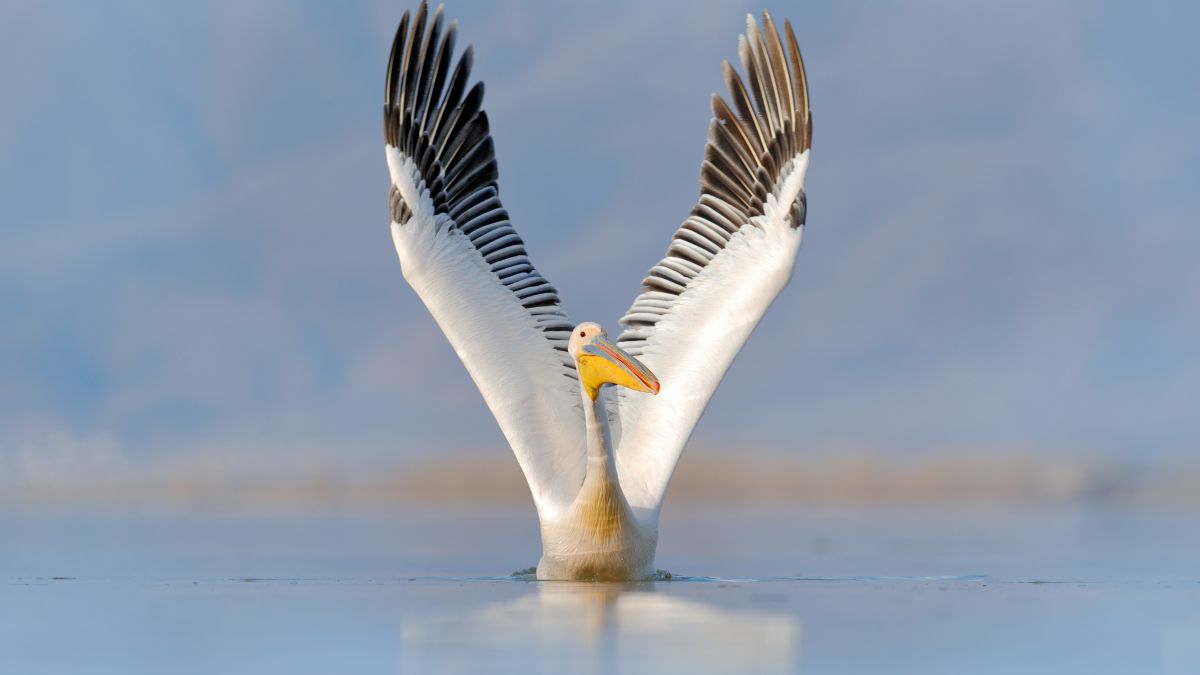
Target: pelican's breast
x,y
603,512
599,539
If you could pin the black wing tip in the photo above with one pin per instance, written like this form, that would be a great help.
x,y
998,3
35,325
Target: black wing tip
x,y
765,122
429,99
413,33
449,134
389,90
801,84
778,84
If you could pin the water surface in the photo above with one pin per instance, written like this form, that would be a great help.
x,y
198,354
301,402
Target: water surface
x,y
755,590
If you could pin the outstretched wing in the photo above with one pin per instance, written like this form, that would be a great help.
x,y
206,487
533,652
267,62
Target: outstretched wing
x,y
725,264
469,266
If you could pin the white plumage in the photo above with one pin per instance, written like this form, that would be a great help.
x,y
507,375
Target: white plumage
x,y
693,345
520,373
598,490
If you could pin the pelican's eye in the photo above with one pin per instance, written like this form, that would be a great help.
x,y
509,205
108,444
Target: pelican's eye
x,y
583,333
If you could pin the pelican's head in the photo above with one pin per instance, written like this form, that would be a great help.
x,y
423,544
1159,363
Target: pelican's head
x,y
601,362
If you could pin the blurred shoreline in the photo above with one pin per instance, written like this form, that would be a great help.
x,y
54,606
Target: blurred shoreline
x,y
702,478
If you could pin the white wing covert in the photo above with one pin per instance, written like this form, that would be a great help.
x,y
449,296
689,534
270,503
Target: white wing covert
x,y
461,255
726,263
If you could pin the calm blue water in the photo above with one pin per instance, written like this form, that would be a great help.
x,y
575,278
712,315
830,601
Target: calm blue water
x,y
792,590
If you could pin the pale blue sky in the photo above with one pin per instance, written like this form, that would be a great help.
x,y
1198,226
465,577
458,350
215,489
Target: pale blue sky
x,y
1000,255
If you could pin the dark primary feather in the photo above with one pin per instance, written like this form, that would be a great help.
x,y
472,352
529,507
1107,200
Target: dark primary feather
x,y
748,151
428,118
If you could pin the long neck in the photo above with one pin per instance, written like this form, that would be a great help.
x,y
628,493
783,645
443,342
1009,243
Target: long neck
x,y
601,461
601,506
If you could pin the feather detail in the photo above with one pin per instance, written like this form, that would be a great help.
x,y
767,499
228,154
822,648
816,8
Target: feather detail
x,y
747,155
726,262
428,119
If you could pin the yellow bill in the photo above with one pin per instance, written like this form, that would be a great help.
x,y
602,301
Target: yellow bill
x,y
601,362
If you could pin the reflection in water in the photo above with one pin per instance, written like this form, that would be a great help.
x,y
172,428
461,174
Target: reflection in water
x,y
599,628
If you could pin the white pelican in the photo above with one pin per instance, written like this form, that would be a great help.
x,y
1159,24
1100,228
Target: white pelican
x,y
597,459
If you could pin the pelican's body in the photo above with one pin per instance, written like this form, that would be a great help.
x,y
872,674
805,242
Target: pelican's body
x,y
598,537
595,432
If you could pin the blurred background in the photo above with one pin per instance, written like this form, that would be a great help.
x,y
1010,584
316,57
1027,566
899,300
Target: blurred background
x,y
997,298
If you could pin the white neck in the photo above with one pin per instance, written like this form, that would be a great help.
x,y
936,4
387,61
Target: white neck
x,y
601,461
